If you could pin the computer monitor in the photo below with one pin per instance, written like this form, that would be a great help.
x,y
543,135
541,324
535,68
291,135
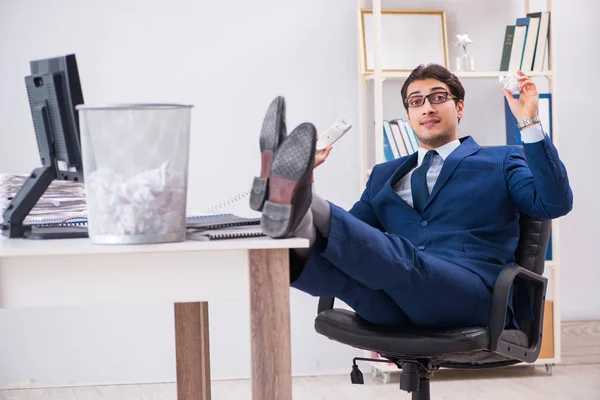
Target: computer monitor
x,y
53,89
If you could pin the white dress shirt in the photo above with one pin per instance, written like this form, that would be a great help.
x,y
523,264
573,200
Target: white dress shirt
x,y
530,134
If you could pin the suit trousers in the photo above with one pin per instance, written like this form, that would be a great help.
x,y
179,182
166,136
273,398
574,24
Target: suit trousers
x,y
388,281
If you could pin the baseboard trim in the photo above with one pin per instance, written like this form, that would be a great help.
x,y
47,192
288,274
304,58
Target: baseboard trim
x,y
580,342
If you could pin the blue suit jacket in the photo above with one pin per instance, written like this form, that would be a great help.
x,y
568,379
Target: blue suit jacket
x,y
472,217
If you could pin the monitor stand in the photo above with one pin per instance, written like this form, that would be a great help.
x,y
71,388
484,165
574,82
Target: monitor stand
x,y
31,191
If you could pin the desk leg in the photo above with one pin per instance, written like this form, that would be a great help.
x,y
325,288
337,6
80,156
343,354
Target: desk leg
x,y
192,351
270,324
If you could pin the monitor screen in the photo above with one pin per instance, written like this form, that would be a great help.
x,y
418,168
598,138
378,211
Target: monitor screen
x,y
54,85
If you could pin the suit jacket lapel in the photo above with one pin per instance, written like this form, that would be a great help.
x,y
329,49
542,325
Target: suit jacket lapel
x,y
466,148
403,169
407,165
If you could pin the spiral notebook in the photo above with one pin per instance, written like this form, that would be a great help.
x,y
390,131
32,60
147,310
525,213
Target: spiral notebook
x,y
54,222
232,232
211,221
216,221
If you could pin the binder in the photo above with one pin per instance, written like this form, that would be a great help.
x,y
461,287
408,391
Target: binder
x,y
528,35
513,134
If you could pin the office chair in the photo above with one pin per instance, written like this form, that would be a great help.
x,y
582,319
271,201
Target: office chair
x,y
420,352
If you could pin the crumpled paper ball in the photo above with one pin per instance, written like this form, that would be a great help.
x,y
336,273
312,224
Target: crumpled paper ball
x,y
510,83
149,203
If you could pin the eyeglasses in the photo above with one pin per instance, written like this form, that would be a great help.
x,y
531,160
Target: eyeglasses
x,y
434,98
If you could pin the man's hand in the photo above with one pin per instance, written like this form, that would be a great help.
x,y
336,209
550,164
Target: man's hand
x,y
322,156
526,106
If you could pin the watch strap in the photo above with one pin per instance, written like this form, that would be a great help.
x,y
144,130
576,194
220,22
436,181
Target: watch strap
x,y
528,121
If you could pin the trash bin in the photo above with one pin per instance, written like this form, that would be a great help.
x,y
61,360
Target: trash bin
x,y
135,165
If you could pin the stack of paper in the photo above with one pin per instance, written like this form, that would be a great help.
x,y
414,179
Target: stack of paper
x,y
63,200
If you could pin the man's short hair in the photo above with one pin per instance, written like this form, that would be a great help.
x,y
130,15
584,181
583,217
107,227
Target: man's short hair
x,y
437,72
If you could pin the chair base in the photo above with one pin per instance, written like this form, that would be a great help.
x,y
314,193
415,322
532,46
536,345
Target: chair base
x,y
423,392
414,377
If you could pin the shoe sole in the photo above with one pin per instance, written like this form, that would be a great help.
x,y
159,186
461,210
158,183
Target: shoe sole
x,y
291,171
273,123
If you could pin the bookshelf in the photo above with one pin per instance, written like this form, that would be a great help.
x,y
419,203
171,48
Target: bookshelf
x,y
461,75
371,117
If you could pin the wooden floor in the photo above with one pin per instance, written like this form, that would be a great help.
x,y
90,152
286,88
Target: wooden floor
x,y
567,382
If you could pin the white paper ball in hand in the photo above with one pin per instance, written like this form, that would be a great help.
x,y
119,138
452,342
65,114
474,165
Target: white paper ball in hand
x,y
510,83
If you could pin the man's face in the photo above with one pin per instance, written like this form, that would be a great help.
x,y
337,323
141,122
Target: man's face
x,y
434,124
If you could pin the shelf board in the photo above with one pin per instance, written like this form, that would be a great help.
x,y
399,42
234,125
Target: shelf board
x,y
476,74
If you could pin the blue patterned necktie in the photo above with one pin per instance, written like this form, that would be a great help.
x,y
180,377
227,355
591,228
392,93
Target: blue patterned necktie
x,y
418,182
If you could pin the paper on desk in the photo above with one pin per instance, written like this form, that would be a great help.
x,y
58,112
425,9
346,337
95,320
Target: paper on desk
x,y
62,200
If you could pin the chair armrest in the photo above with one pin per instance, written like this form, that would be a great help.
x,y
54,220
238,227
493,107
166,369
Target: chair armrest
x,y
500,298
325,303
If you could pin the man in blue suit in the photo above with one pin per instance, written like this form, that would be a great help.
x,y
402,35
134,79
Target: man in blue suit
x,y
432,230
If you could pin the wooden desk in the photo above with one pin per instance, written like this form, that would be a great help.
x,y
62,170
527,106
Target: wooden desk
x,y
74,272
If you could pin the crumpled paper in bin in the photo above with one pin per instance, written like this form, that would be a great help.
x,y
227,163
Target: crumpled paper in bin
x,y
149,203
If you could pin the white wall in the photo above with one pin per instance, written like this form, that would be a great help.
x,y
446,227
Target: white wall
x,y
230,60
578,82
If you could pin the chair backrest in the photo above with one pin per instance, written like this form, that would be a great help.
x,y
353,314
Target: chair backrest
x,y
534,234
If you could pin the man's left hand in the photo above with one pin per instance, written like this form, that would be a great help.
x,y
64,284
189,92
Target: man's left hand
x,y
526,106
322,156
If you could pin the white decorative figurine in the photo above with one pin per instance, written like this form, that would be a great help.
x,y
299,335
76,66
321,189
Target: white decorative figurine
x,y
464,62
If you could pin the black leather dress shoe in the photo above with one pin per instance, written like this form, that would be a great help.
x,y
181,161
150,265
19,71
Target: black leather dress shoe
x,y
290,183
272,134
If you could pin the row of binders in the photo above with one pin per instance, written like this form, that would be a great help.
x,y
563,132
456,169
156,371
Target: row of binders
x,y
526,43
399,139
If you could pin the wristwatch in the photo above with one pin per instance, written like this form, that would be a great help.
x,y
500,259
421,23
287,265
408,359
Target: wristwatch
x,y
528,121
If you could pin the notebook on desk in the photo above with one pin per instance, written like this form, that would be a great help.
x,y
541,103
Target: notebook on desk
x,y
232,232
55,222
217,221
198,227
210,221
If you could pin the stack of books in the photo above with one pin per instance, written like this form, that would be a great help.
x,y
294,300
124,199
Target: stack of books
x,y
62,201
526,43
399,139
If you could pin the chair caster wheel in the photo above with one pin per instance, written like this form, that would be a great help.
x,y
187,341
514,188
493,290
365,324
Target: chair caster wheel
x,y
356,377
549,369
374,372
386,377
